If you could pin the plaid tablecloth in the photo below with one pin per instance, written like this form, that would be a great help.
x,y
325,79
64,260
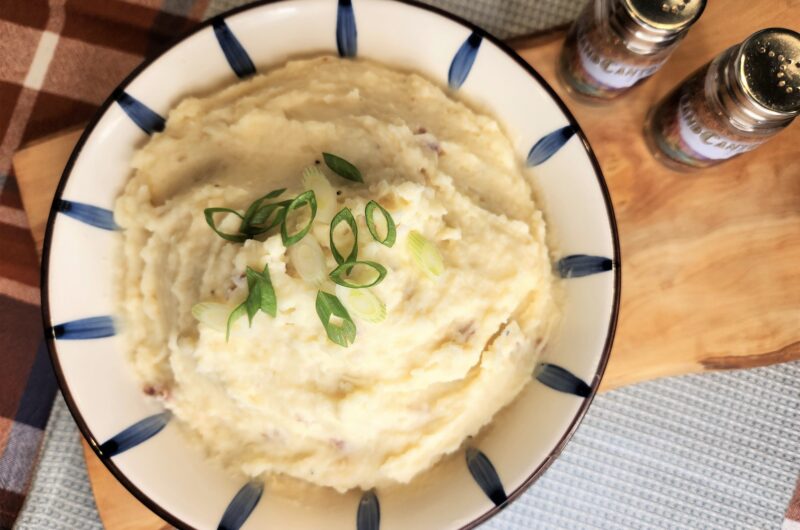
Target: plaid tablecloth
x,y
58,61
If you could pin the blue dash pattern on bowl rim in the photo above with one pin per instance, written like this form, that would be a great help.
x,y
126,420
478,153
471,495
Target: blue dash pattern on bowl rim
x,y
150,122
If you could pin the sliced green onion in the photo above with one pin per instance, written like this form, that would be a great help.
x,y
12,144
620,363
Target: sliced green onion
x,y
314,179
391,230
258,221
307,197
342,331
349,267
237,313
209,213
256,214
344,215
342,167
261,217
253,302
362,303
308,260
424,254
261,293
254,207
260,296
212,314
274,193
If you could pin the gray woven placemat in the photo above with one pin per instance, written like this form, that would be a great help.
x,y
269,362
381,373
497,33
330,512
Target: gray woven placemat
x,y
502,18
60,496
716,451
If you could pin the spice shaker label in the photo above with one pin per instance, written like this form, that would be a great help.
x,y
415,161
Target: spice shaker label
x,y
607,71
704,142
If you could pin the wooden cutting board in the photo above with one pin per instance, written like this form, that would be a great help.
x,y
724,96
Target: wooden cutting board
x,y
710,260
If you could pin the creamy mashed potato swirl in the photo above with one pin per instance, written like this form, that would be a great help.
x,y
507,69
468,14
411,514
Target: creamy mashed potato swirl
x,y
279,398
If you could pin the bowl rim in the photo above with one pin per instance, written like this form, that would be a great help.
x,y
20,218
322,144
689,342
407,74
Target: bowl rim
x,y
153,505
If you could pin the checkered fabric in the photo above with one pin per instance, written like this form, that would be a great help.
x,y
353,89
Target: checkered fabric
x,y
59,59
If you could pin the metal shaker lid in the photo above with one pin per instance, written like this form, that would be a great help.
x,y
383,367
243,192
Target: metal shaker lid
x,y
648,26
667,15
768,68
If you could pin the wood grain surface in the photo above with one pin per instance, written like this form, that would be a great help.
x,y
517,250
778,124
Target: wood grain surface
x,y
709,259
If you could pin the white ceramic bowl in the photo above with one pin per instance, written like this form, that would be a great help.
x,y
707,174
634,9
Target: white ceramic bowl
x,y
136,440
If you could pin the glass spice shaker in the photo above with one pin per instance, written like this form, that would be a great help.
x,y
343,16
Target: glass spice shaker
x,y
733,104
615,44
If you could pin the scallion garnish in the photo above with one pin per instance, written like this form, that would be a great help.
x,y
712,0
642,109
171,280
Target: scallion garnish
x,y
391,230
348,268
209,213
344,215
342,167
212,314
362,303
314,179
352,277
262,294
274,193
308,260
424,254
253,220
260,297
307,197
254,208
238,312
263,219
337,322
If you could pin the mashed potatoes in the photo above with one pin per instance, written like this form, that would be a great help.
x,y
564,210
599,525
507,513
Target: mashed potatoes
x,y
279,397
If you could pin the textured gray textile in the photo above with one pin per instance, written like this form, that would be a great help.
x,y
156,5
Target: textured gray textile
x,y
513,18
718,450
502,18
714,451
60,497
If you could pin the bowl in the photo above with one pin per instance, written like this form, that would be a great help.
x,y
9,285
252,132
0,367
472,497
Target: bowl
x,y
135,438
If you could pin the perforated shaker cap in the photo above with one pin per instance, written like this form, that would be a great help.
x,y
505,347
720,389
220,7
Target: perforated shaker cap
x,y
648,26
768,69
667,15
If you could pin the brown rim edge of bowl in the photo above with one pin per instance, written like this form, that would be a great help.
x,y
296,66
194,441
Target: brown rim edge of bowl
x,y
45,265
